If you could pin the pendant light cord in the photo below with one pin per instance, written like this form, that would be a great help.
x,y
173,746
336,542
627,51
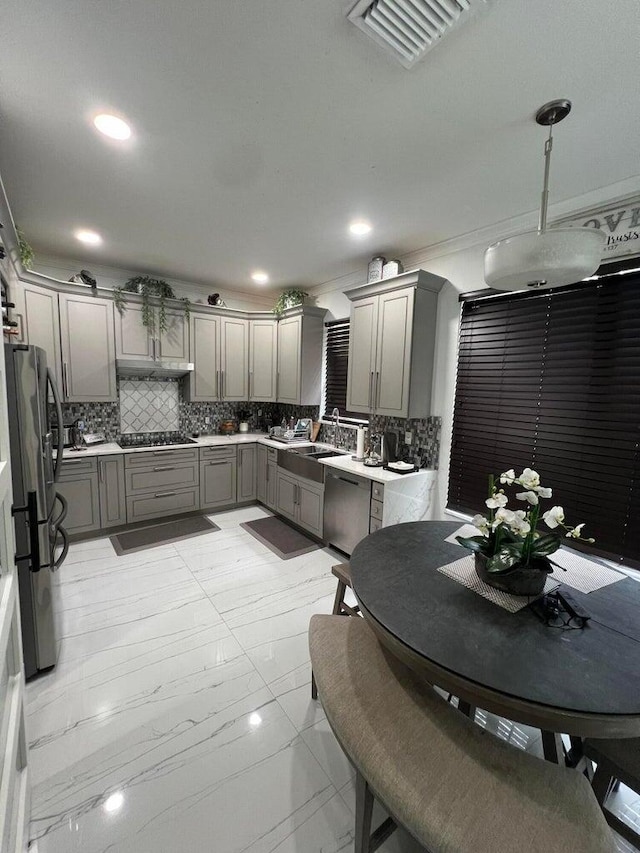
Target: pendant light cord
x,y
542,224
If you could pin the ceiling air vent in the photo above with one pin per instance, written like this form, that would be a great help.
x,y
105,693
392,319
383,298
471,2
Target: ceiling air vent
x,y
407,29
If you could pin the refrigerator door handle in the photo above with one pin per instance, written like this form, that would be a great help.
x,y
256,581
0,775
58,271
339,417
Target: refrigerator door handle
x,y
65,549
58,404
31,510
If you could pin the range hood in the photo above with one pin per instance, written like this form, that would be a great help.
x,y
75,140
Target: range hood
x,y
160,368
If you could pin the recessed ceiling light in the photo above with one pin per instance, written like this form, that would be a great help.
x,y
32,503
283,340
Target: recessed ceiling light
x,y
260,277
112,126
90,238
360,228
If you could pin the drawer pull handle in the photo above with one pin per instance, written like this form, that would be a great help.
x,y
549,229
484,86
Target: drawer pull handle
x,y
163,452
220,462
164,494
165,468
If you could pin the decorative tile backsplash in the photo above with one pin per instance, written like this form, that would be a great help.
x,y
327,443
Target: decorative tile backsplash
x,y
175,413
149,405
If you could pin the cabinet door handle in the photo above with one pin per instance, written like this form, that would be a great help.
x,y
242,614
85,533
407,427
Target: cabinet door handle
x,y
165,468
250,382
65,384
222,385
101,470
370,390
164,494
377,393
218,384
267,473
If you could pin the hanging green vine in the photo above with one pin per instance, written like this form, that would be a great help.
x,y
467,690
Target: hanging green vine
x,y
118,300
26,252
149,288
289,299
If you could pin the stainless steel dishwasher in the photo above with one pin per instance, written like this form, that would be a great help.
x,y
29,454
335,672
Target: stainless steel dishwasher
x,y
347,500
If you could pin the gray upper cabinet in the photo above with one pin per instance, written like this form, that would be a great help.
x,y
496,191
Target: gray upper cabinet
x,y
135,341
234,358
173,343
37,315
300,332
220,354
391,346
113,504
263,355
204,380
247,472
132,338
363,330
88,354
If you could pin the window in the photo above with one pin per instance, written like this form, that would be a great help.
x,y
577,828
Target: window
x,y
335,379
552,380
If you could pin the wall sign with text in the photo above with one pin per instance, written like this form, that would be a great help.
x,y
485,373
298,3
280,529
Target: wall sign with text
x,y
620,223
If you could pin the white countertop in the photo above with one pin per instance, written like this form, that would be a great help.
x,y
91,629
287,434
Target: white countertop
x,y
111,448
378,475
340,463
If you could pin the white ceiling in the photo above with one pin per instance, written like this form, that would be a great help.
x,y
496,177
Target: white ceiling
x,y
262,127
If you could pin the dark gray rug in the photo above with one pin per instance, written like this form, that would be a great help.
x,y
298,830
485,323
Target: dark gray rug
x,y
280,537
161,534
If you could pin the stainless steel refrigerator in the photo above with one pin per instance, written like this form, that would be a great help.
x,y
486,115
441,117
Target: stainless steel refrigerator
x,y
41,541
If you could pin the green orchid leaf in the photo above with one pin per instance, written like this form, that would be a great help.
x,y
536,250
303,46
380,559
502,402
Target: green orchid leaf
x,y
502,561
545,545
474,543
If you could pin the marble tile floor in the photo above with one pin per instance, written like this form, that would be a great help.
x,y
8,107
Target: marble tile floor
x,y
179,715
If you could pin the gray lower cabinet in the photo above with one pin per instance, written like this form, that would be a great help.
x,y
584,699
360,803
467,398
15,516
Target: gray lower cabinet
x,y
247,464
266,475
261,474
218,471
161,482
286,495
113,504
300,500
78,485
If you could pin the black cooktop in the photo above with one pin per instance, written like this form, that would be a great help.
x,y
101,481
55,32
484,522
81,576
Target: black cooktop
x,y
154,439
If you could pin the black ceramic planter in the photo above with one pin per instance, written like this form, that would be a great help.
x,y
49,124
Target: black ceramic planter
x,y
520,580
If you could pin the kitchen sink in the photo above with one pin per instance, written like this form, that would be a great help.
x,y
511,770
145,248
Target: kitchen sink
x,y
303,461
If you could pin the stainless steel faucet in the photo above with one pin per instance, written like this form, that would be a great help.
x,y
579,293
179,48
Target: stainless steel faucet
x,y
335,414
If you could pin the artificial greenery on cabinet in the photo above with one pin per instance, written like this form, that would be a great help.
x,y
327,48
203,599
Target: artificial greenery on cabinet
x,y
289,299
150,288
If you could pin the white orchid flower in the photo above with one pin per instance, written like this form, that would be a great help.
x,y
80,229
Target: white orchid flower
x,y
576,533
508,477
530,497
544,493
529,478
481,523
520,526
497,501
553,517
502,516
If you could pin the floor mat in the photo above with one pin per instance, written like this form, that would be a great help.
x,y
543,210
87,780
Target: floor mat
x,y
280,537
161,534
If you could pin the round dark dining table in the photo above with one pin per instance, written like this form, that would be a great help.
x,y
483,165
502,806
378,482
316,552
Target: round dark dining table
x,y
583,682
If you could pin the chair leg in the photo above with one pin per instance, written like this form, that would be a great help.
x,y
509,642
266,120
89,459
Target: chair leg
x,y
364,813
314,686
602,783
337,602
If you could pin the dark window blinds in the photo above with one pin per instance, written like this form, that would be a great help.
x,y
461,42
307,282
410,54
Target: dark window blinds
x,y
552,380
337,358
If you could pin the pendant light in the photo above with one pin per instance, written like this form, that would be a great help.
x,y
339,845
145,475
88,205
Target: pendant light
x,y
545,257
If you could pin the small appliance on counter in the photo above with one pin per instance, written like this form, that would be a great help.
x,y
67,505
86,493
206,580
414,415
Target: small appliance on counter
x,y
67,440
228,427
389,446
372,457
243,418
77,435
